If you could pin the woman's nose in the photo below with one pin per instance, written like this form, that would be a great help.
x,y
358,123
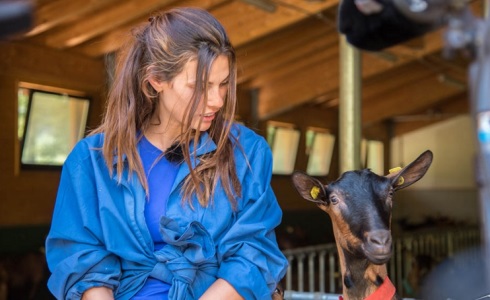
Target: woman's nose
x,y
215,97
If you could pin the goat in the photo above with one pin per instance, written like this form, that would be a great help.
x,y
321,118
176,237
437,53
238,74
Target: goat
x,y
359,204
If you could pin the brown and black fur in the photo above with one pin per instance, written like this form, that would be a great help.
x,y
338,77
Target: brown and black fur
x,y
359,204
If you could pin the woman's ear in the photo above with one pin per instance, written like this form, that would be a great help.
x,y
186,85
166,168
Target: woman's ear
x,y
157,84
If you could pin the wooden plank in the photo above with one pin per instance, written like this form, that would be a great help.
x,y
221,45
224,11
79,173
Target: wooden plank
x,y
392,80
453,106
298,35
257,62
29,199
112,40
47,66
291,63
272,96
407,99
245,22
311,116
299,87
56,13
103,21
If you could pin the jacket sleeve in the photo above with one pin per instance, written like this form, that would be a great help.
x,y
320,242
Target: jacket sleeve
x,y
252,262
74,249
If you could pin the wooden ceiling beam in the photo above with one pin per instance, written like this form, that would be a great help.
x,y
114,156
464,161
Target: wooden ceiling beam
x,y
103,22
245,22
392,80
56,13
283,48
113,40
407,99
299,35
298,61
289,91
273,67
447,108
323,118
46,66
299,87
400,55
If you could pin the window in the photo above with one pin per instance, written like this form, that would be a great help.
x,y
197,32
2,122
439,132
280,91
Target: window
x,y
284,140
49,125
319,149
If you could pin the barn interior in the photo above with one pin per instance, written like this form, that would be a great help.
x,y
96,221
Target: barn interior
x,y
414,97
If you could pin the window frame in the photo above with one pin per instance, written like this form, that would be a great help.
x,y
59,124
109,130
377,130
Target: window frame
x,y
309,149
272,143
32,89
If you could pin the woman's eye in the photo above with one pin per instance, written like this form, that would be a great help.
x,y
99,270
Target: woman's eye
x,y
224,83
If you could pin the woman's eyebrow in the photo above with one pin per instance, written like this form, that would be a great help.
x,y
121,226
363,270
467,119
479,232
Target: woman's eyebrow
x,y
226,78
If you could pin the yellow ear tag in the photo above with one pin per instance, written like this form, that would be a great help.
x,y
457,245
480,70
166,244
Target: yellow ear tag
x,y
401,180
314,192
395,170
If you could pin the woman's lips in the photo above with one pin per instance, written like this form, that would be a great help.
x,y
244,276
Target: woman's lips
x,y
208,117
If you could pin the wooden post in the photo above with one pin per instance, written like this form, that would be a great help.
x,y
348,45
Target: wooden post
x,y
350,124
254,109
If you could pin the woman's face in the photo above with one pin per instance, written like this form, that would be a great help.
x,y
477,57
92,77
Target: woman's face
x,y
177,94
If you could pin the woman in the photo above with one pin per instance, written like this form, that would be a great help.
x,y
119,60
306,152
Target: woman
x,y
168,198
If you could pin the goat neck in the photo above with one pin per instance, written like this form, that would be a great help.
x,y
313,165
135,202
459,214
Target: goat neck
x,y
360,277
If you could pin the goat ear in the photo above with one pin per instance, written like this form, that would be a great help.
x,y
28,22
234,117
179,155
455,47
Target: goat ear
x,y
309,187
411,173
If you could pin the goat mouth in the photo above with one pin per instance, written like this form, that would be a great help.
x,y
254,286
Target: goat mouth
x,y
378,258
378,255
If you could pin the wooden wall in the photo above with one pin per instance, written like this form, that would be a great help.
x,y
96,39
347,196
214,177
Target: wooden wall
x,y
27,196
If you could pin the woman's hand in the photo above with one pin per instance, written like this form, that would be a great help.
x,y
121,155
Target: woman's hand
x,y
98,293
221,289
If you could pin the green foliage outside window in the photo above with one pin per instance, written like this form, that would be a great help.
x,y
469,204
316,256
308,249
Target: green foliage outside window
x,y
23,102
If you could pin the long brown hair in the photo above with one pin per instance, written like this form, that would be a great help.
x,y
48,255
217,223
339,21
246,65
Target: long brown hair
x,y
160,49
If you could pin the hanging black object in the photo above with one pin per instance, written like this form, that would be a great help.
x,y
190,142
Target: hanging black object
x,y
15,17
379,30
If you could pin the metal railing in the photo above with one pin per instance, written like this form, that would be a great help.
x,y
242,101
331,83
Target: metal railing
x,y
314,272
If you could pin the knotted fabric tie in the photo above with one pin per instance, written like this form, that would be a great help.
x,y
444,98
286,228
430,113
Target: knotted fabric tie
x,y
188,260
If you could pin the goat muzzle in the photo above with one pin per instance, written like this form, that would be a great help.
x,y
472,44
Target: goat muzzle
x,y
378,246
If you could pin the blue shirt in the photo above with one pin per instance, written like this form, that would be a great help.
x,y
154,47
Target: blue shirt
x,y
160,175
99,236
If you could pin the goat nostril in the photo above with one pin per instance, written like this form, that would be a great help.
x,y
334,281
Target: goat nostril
x,y
380,238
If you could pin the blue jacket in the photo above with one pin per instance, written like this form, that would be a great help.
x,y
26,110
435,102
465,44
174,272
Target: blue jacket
x,y
99,237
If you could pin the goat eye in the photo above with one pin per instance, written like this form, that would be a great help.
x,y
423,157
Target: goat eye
x,y
333,199
389,199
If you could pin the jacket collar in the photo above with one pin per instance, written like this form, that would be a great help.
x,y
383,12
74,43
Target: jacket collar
x,y
204,145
